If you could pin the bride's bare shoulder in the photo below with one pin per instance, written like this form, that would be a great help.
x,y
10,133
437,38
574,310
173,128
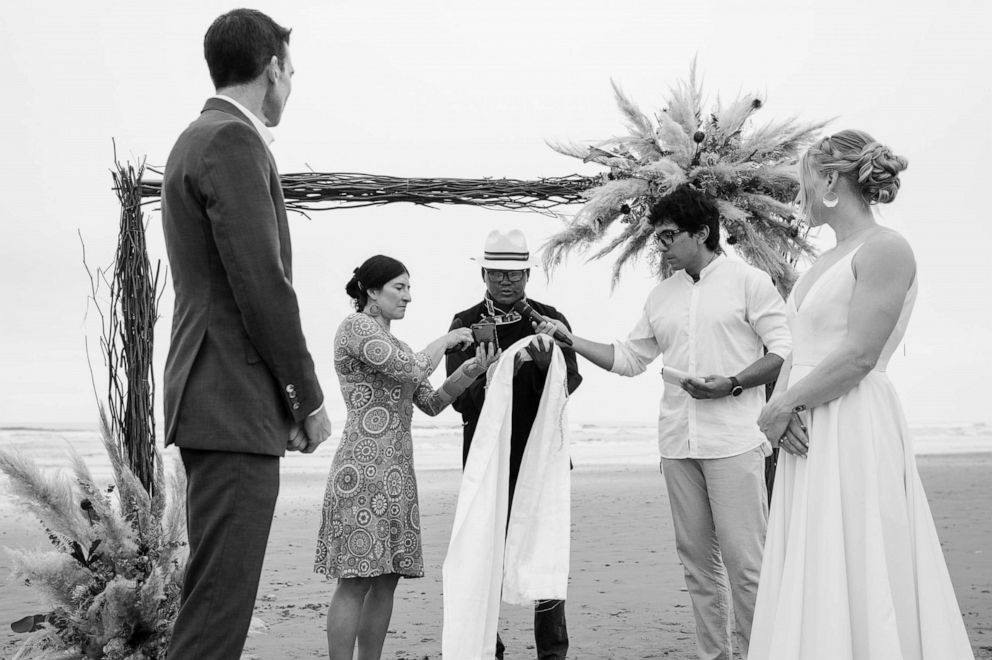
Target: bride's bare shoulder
x,y
886,251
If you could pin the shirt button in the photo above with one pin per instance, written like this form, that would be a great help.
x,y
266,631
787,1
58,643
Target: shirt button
x,y
290,388
296,406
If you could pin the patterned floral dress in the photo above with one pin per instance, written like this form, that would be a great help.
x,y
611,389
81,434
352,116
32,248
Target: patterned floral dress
x,y
371,519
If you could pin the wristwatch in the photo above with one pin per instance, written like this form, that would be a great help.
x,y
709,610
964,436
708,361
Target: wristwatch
x,y
735,386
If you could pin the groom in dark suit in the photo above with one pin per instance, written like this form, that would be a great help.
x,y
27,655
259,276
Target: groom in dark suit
x,y
240,387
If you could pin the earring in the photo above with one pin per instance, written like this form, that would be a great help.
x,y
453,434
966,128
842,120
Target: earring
x,y
830,199
374,310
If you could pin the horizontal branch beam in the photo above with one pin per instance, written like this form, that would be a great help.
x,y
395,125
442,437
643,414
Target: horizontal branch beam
x,y
314,191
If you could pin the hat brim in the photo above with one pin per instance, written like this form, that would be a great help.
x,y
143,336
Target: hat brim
x,y
506,264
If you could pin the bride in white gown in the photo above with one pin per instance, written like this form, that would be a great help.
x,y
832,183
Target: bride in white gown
x,y
853,568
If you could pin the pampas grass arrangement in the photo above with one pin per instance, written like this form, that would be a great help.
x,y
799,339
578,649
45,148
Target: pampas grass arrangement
x,y
749,171
113,575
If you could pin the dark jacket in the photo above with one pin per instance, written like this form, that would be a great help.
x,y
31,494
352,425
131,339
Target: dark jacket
x,y
528,384
238,372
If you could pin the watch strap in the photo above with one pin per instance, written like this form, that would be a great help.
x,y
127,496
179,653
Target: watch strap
x,y
735,386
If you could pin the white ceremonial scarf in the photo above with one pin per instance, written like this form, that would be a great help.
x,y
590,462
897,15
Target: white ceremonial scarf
x,y
529,562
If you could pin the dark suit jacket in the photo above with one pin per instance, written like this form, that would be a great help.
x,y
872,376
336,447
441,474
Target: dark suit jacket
x,y
238,372
528,384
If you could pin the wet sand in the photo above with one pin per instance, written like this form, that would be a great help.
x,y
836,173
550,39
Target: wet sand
x,y
627,599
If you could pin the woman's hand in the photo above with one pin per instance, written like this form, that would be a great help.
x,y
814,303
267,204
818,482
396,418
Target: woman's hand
x,y
794,440
458,338
784,427
485,355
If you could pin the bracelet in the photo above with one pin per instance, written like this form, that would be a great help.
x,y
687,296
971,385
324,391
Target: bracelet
x,y
801,408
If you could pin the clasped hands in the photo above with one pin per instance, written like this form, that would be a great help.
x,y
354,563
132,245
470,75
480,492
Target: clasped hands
x,y
306,437
785,427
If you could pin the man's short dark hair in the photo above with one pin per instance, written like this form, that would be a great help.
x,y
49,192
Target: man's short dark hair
x,y
690,210
240,43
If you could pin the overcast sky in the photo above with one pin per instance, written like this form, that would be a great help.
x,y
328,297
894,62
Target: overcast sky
x,y
464,89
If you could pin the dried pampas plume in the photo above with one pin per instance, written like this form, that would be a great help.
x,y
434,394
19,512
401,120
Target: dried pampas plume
x,y
748,170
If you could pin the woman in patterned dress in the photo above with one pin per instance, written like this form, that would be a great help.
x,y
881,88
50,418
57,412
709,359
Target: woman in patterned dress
x,y
370,530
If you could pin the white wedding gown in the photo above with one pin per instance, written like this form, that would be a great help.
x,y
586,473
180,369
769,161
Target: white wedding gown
x,y
853,568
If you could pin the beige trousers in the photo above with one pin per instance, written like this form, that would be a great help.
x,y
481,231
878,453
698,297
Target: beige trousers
x,y
720,512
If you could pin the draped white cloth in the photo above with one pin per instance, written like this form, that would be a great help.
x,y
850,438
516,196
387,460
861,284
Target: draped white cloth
x,y
527,560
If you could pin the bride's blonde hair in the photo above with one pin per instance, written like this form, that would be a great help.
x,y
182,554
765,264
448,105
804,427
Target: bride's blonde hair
x,y
870,166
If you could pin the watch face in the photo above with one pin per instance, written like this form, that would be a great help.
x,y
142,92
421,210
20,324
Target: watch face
x,y
737,390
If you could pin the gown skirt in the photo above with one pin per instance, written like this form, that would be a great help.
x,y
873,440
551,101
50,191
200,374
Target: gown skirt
x,y
853,568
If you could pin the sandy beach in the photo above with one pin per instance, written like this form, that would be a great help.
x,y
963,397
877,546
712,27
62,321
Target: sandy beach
x,y
627,599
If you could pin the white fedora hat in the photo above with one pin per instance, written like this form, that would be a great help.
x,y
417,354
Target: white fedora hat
x,y
506,251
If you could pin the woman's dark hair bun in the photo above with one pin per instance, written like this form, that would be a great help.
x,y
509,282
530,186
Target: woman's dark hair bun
x,y
373,274
353,287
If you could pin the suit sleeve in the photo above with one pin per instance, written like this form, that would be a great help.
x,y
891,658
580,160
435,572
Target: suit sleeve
x,y
468,403
244,222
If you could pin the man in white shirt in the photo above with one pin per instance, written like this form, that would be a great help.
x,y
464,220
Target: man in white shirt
x,y
722,324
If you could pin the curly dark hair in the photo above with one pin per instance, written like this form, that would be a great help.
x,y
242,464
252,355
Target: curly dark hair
x,y
690,210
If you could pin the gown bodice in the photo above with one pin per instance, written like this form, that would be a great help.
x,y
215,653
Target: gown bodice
x,y
819,321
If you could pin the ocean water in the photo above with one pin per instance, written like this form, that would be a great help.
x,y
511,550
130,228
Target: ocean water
x,y
438,446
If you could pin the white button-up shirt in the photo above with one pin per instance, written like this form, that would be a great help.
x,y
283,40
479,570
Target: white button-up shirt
x,y
716,326
259,125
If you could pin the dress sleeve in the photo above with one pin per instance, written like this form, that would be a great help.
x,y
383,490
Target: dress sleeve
x,y
428,399
365,340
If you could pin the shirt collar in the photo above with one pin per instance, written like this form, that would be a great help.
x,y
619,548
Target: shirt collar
x,y
709,268
262,129
492,308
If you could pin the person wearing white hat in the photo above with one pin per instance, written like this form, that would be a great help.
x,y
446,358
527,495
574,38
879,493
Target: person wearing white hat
x,y
506,262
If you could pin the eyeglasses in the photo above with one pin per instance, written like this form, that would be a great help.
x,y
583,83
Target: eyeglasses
x,y
667,237
497,276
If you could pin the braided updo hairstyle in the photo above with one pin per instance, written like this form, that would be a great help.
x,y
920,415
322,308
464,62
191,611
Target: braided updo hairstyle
x,y
869,166
373,274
